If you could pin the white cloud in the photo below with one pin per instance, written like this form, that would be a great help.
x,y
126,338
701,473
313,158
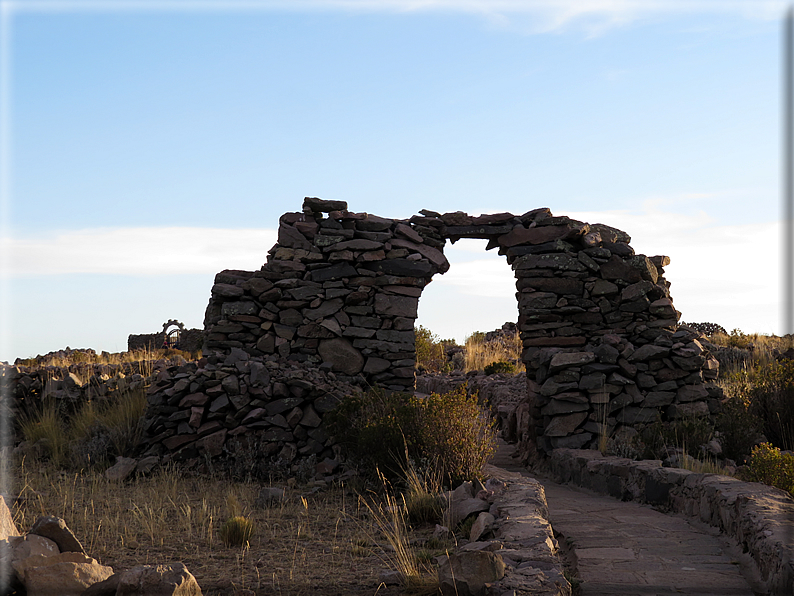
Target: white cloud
x,y
137,251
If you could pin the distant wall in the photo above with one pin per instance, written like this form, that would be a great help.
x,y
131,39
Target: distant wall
x,y
190,340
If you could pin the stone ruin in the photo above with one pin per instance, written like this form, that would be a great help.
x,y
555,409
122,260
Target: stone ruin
x,y
333,310
174,335
336,304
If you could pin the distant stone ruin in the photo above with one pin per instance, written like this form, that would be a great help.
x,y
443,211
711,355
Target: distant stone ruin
x,y
602,344
174,335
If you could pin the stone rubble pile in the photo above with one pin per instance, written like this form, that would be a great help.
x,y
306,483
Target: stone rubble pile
x,y
49,560
205,409
77,383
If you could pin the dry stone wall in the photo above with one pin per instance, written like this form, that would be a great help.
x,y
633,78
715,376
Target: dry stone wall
x,y
340,290
602,344
217,406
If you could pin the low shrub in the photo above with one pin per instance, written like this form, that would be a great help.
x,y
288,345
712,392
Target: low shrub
x,y
739,428
767,390
385,430
770,466
237,531
501,366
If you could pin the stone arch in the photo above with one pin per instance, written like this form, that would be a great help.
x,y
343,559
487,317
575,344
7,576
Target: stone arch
x,y
602,344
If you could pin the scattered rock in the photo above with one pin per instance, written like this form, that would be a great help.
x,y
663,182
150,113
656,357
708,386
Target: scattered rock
x,y
64,574
56,530
269,496
122,469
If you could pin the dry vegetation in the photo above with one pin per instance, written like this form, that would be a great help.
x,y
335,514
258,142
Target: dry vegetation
x,y
328,542
477,354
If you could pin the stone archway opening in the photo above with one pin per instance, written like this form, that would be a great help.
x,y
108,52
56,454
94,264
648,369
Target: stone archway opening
x,y
477,294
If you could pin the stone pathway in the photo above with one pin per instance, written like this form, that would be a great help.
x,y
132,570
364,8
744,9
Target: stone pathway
x,y
624,548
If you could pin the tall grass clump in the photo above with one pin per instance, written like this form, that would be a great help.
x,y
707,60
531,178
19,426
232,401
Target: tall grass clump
x,y
45,428
423,503
385,430
237,531
389,516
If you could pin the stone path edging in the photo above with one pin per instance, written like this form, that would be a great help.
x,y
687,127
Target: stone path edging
x,y
528,547
759,517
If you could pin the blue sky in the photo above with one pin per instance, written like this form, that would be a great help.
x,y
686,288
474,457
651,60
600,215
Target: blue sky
x,y
148,145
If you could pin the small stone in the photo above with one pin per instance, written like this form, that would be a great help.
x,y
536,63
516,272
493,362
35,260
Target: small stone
x,y
269,496
481,525
122,469
389,577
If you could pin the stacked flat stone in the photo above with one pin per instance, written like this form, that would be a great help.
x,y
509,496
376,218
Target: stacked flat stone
x,y
195,410
339,289
603,347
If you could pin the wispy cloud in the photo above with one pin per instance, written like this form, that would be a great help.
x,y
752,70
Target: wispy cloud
x,y
546,15
137,251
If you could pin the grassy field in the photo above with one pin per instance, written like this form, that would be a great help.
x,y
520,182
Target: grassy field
x,y
325,542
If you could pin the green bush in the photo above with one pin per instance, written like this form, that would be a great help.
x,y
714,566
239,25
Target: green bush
x,y
389,430
430,350
767,389
237,531
500,367
770,466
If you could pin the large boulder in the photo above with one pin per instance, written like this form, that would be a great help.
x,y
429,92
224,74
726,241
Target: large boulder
x,y
64,574
56,530
467,573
